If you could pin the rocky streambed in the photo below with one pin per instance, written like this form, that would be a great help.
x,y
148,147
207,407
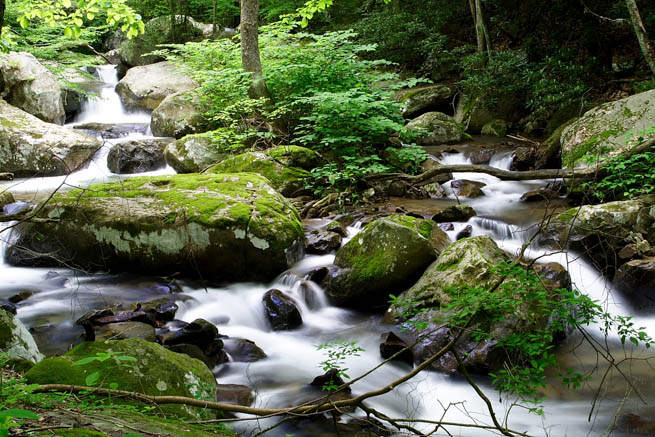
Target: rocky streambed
x,y
270,287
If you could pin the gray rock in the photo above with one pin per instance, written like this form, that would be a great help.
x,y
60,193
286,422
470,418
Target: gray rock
x,y
147,86
436,128
137,156
425,98
17,342
466,188
636,280
112,131
178,115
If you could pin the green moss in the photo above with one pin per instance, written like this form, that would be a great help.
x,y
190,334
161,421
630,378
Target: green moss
x,y
79,432
423,227
295,156
590,150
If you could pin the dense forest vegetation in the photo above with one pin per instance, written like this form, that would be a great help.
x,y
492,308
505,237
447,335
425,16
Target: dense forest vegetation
x,y
470,179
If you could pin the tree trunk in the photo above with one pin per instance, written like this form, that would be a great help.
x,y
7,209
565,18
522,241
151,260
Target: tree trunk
x,y
481,29
642,35
2,15
171,6
214,17
250,57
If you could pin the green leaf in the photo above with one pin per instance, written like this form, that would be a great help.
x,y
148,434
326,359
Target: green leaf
x,y
92,378
19,414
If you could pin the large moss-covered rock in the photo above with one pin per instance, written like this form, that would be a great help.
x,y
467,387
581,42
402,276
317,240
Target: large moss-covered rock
x,y
474,113
223,227
28,85
197,152
178,115
5,197
135,51
495,128
425,98
17,342
436,128
156,371
385,258
287,180
607,130
29,146
600,231
296,156
147,86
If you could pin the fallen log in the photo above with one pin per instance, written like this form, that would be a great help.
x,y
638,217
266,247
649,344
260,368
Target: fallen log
x,y
6,176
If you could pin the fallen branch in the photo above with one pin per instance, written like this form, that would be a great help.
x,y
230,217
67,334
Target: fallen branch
x,y
6,176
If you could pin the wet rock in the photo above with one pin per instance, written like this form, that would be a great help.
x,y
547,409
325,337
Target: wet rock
x,y
554,275
434,191
384,258
198,339
455,213
121,331
447,227
325,427
28,85
158,310
337,228
29,146
212,357
281,311
145,87
137,156
20,296
242,350
466,232
636,250
495,128
113,131
481,157
309,294
391,345
538,195
5,198
425,98
10,308
435,128
317,275
636,280
524,159
466,188
635,425
329,378
235,394
322,242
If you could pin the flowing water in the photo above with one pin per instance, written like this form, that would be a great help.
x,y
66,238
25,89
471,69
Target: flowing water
x,y
62,295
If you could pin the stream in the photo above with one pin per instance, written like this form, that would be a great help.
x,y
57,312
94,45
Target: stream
x,y
60,296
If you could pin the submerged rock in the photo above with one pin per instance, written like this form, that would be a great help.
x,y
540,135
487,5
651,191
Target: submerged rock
x,y
242,350
223,227
17,342
28,85
384,258
235,394
29,146
281,311
137,156
147,86
153,370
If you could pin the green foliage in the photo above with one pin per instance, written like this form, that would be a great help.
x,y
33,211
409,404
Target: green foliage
x,y
344,176
337,353
407,158
93,378
541,314
627,178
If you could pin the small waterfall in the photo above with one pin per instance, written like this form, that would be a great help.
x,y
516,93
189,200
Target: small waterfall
x,y
502,160
107,108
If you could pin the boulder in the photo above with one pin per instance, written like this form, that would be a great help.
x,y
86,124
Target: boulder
x,y
28,85
5,197
466,232
235,394
466,188
17,342
601,231
224,226
287,180
281,311
607,130
320,242
177,115
137,156
434,128
29,146
113,131
636,280
135,51
296,156
243,351
195,153
391,345
124,330
147,86
524,158
454,213
425,98
386,257
481,157
153,371
198,339
474,113
495,128
76,84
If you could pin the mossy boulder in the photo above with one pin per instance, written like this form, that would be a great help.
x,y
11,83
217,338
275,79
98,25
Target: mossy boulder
x,y
220,226
434,128
29,146
287,180
549,153
425,98
197,152
495,128
5,197
384,258
608,130
136,51
177,115
28,85
156,371
17,342
147,86
296,156
600,231
474,113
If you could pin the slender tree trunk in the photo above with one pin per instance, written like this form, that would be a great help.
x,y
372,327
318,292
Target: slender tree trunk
x,y
214,17
481,29
250,57
479,35
642,35
171,6
2,15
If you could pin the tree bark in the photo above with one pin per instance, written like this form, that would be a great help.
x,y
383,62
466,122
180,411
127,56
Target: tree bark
x,y
171,6
250,57
214,17
2,15
642,35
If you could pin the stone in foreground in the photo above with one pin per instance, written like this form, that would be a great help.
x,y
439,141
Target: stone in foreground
x,y
219,227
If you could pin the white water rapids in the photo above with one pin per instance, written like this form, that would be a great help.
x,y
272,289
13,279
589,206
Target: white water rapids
x,y
293,359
